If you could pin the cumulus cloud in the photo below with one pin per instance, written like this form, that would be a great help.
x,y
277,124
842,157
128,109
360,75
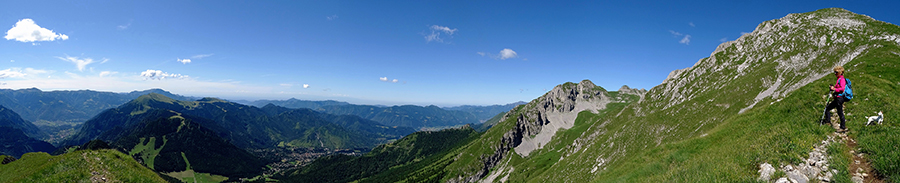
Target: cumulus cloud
x,y
160,75
107,73
11,73
507,53
394,81
504,54
383,79
184,61
691,24
686,40
305,85
27,31
80,62
723,39
439,33
332,17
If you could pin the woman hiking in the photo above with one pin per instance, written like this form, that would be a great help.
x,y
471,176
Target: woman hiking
x,y
838,101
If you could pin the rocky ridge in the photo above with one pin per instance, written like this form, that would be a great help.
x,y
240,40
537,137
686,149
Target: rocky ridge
x,y
793,43
537,122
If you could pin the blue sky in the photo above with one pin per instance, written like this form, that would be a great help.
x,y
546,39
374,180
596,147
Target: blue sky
x,y
372,52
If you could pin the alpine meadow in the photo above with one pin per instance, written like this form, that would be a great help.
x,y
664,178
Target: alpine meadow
x,y
335,91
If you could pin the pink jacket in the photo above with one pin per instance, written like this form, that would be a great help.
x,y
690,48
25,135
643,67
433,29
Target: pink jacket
x,y
839,86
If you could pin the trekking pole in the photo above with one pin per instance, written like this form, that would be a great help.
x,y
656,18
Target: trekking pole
x,y
825,108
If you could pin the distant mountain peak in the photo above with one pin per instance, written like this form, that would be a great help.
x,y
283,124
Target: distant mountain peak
x,y
154,97
211,99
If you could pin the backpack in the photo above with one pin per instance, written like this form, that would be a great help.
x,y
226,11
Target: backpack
x,y
848,91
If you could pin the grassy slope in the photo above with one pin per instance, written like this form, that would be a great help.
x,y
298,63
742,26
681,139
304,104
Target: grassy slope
x,y
189,175
782,132
541,161
77,166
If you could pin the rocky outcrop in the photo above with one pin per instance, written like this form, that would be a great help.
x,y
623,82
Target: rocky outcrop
x,y
557,110
632,91
538,121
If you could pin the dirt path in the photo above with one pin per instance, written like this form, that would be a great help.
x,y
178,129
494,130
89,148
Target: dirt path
x,y
860,169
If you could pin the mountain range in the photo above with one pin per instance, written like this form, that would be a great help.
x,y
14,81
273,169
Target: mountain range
x,y
417,117
753,103
57,113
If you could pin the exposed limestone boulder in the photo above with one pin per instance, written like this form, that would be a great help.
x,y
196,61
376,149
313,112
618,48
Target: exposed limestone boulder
x,y
765,172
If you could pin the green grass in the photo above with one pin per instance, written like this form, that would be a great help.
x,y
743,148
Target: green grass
x,y
876,84
148,151
839,160
782,132
78,166
190,176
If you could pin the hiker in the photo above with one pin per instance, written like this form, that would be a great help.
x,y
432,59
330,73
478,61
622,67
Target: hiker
x,y
838,100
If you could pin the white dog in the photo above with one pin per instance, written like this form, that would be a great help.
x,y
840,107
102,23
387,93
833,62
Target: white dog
x,y
875,119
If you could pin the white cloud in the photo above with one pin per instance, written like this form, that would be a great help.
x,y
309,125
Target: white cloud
x,y
439,33
686,40
107,73
675,33
723,39
184,61
385,79
80,62
11,73
305,85
123,27
16,72
285,85
201,56
691,24
332,17
27,31
159,75
504,54
507,53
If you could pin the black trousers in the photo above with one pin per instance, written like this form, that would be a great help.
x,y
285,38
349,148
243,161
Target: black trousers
x,y
838,103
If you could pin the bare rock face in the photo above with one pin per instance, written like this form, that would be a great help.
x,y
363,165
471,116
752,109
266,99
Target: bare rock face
x,y
539,120
557,110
